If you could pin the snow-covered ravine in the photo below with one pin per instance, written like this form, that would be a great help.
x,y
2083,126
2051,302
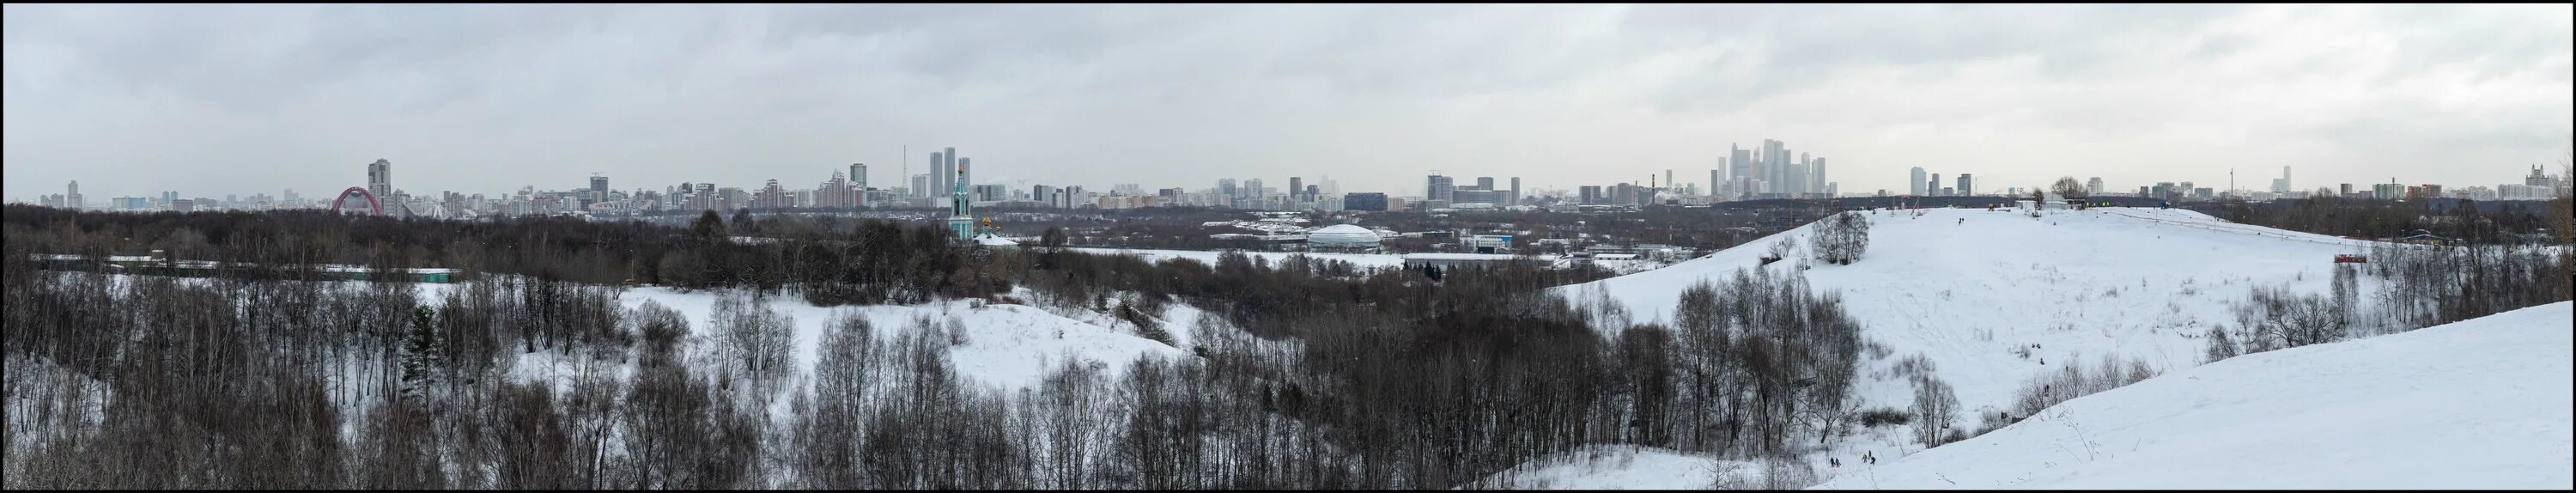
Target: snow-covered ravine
x,y
2478,404
1008,346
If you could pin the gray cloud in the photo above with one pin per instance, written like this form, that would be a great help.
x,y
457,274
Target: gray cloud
x,y
209,100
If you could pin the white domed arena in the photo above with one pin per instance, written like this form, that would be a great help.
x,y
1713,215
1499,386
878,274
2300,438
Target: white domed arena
x,y
1341,237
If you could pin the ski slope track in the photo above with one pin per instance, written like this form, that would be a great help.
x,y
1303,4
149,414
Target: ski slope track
x,y
1966,287
2478,404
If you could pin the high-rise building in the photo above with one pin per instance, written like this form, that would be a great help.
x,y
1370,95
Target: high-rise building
x,y
2346,190
1739,167
380,179
1934,186
859,176
1364,201
2282,185
1439,189
598,188
1966,185
1515,198
1485,182
72,197
1807,168
1917,188
920,185
1297,189
2093,186
1775,160
1816,177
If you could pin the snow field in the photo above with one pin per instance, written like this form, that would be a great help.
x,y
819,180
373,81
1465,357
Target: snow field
x,y
2483,403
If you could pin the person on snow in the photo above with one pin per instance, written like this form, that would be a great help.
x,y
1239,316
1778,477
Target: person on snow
x,y
1837,462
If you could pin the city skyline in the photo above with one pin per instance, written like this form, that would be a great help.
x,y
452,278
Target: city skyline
x,y
258,99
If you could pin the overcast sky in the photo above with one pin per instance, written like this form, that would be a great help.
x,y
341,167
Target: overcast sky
x,y
210,100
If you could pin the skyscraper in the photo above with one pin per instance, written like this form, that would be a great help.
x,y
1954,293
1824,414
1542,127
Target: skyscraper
x,y
1515,198
938,166
1225,188
598,188
1966,185
859,176
72,198
1296,189
1934,186
1439,188
380,179
1917,188
1485,182
1804,165
1739,162
1816,177
2093,186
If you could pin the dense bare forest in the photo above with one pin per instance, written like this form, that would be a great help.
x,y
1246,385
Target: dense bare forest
x,y
1314,374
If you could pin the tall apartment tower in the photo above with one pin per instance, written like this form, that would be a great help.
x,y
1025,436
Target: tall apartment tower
x,y
380,179
1516,192
2093,186
859,176
1917,188
72,198
1966,183
1296,188
1934,186
938,167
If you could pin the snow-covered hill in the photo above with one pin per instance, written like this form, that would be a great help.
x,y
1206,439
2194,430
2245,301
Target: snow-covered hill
x,y
1966,287
2483,403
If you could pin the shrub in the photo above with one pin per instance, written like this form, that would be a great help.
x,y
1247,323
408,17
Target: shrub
x,y
1884,416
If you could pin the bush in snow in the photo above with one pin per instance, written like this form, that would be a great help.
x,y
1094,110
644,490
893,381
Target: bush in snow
x,y
1883,416
1841,238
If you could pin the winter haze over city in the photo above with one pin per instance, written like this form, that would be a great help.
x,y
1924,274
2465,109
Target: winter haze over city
x,y
1143,246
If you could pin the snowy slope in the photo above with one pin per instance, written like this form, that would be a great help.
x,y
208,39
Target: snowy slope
x,y
1619,468
1965,287
2483,403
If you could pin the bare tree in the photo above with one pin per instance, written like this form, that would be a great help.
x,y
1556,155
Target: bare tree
x,y
1936,409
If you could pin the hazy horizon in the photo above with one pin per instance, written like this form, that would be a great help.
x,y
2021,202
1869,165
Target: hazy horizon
x,y
212,100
